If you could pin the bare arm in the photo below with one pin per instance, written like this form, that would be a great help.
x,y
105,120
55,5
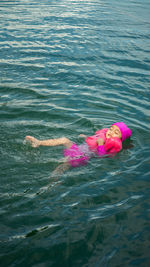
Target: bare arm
x,y
100,142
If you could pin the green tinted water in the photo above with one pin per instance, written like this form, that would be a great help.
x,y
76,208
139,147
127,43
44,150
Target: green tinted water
x,y
67,68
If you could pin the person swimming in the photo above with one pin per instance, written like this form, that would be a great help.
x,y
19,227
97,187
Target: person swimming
x,y
105,142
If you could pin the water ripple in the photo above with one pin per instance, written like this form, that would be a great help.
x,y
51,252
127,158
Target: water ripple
x,y
71,67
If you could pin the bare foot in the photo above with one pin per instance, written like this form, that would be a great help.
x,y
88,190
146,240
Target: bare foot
x,y
34,142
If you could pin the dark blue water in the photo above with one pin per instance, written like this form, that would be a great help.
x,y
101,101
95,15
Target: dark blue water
x,y
70,67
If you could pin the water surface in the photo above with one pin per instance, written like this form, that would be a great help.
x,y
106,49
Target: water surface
x,y
70,67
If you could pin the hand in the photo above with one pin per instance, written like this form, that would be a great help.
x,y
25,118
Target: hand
x,y
100,142
83,136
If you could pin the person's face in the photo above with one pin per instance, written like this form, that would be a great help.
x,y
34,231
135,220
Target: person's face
x,y
113,131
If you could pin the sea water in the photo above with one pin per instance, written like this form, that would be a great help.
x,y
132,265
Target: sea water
x,y
67,68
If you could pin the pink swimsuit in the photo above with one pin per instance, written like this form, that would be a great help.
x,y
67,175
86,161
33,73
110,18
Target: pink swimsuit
x,y
92,140
80,155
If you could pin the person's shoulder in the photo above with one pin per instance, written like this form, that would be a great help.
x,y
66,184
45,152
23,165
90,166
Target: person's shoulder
x,y
104,130
113,144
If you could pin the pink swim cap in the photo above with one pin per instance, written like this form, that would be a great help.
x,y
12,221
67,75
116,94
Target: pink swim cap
x,y
125,131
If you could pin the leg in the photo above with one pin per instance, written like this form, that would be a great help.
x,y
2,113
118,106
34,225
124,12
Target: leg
x,y
49,142
55,175
61,169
